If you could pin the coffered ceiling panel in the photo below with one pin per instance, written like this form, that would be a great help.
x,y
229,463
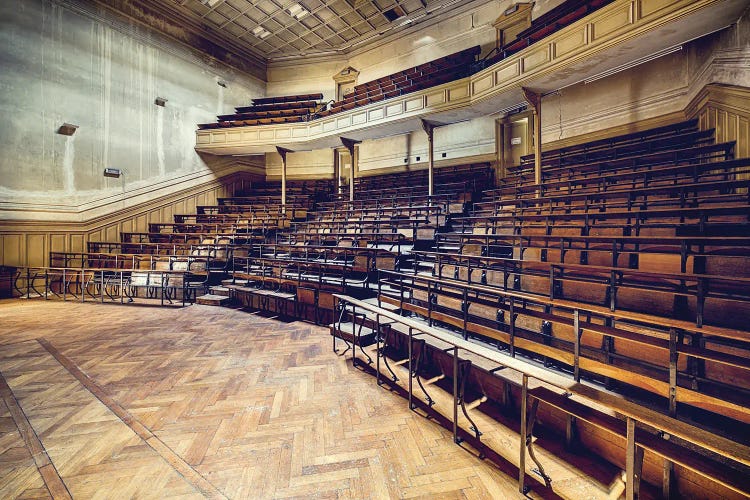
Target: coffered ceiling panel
x,y
280,29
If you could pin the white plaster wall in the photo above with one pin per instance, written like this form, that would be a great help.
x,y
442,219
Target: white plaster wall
x,y
101,73
302,164
304,78
460,140
652,89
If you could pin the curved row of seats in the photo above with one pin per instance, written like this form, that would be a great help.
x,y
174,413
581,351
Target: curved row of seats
x,y
270,110
445,69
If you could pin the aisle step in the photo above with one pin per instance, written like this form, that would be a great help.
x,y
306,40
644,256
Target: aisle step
x,y
212,300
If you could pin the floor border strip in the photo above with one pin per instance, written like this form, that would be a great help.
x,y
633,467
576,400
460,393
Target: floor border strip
x,y
191,475
52,480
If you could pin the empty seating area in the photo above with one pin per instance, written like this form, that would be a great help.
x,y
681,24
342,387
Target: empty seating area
x,y
622,282
626,272
430,74
305,107
285,259
270,110
548,23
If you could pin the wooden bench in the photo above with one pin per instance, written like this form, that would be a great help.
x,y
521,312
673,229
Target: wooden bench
x,y
698,447
517,320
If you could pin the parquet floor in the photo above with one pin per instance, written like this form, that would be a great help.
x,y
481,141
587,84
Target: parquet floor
x,y
103,401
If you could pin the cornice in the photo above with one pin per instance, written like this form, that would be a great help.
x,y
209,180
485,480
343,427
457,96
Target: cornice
x,y
178,28
89,210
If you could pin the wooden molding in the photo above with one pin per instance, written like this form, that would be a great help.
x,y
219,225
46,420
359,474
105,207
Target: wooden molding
x,y
725,108
512,21
729,97
28,243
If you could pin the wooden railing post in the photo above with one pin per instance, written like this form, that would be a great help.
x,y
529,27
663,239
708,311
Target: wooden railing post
x,y
354,154
283,152
535,101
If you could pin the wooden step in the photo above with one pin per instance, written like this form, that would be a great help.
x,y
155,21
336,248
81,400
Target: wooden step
x,y
220,290
234,282
346,331
212,300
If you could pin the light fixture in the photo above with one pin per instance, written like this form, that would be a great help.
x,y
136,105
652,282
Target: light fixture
x,y
410,19
514,107
160,101
297,11
261,32
210,3
67,129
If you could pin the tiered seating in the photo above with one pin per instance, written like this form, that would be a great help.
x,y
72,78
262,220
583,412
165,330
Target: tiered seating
x,y
556,19
270,110
175,259
342,245
628,270
392,205
446,69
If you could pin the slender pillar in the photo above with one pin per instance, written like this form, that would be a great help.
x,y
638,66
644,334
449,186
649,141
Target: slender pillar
x,y
535,101
429,128
283,152
354,154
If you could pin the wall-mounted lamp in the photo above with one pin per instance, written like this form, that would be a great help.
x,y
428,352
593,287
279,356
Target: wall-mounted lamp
x,y
222,83
160,101
67,129
112,172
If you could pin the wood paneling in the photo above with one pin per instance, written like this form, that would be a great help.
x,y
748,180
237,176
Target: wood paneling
x,y
29,243
726,108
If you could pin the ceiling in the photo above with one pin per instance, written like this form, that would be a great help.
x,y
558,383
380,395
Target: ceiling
x,y
322,27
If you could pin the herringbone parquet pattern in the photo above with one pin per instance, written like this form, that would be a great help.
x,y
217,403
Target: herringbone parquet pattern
x,y
20,476
251,407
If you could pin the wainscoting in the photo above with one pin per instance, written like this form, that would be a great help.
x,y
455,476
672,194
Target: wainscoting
x,y
727,109
24,243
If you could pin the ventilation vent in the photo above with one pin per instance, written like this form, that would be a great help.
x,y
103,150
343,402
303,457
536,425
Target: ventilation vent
x,y
67,129
394,13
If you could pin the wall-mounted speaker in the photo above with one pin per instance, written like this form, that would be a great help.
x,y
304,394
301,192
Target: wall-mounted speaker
x,y
112,172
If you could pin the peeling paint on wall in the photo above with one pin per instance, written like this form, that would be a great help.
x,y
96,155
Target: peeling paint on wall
x,y
61,65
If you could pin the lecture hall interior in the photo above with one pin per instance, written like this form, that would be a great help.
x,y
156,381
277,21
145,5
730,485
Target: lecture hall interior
x,y
375,249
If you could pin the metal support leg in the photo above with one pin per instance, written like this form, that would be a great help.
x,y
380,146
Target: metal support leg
x,y
669,485
455,395
522,431
377,349
576,346
633,463
411,367
531,419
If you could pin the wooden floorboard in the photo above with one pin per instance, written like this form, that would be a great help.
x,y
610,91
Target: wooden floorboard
x,y
206,401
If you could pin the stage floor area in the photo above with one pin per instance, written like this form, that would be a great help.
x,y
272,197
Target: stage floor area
x,y
128,401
